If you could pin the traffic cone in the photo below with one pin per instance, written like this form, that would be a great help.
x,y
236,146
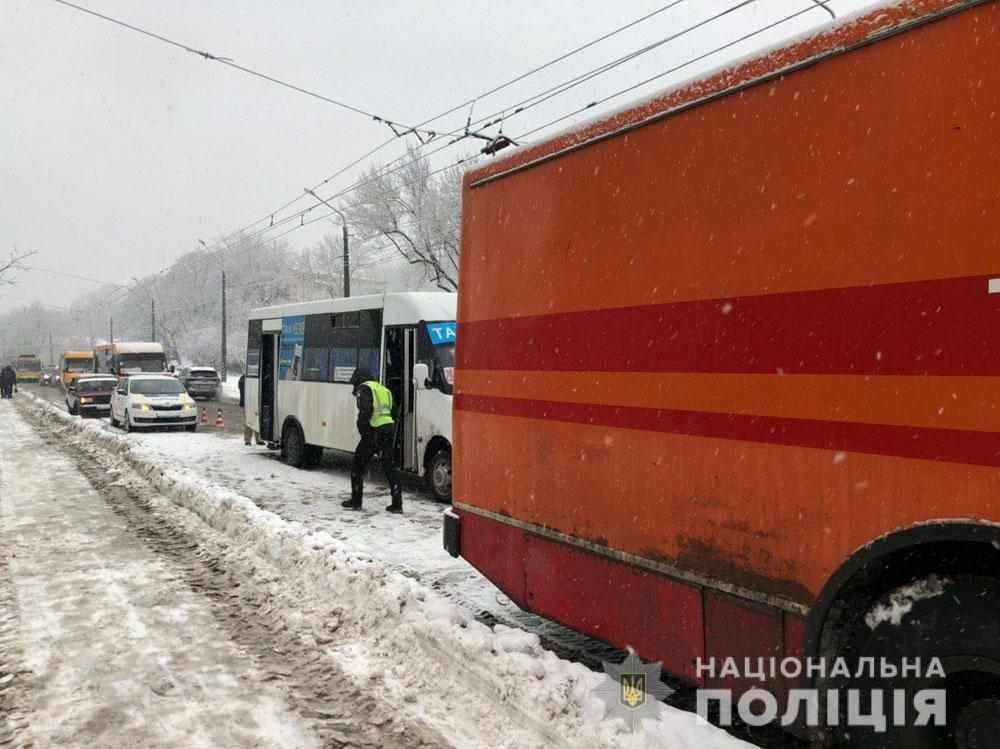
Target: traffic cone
x,y
204,416
218,419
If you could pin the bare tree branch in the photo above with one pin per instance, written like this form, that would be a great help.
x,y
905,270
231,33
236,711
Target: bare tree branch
x,y
418,212
15,263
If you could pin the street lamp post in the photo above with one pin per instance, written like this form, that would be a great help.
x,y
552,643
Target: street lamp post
x,y
347,252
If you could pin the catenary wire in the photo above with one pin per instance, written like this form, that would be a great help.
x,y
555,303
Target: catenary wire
x,y
674,69
392,124
468,102
528,104
561,118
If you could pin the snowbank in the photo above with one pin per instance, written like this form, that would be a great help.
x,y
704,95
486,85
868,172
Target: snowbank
x,y
399,637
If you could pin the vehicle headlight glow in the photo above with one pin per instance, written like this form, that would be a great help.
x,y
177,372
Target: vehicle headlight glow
x,y
84,400
144,407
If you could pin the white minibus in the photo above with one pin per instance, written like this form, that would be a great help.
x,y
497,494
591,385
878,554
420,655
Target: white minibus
x,y
300,358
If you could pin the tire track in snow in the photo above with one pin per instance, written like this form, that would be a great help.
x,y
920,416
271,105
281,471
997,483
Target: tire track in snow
x,y
338,708
14,678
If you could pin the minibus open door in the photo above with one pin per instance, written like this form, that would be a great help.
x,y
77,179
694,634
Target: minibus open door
x,y
268,384
400,356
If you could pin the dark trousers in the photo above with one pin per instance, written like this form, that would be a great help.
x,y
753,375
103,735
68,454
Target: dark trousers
x,y
375,442
7,390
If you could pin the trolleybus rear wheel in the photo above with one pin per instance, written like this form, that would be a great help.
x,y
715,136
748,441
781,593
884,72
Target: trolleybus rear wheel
x,y
961,628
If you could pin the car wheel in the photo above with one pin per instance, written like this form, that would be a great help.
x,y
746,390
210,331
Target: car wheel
x,y
439,475
112,419
127,423
293,446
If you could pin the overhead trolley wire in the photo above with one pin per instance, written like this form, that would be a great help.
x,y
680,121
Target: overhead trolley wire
x,y
517,79
674,69
534,101
814,6
398,129
501,115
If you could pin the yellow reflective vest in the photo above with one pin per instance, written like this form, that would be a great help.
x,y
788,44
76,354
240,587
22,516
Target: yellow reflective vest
x,y
381,404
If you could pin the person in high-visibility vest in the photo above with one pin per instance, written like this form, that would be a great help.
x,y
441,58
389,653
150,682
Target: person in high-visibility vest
x,y
377,429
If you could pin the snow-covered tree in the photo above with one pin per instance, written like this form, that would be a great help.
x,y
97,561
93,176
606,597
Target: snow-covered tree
x,y
417,211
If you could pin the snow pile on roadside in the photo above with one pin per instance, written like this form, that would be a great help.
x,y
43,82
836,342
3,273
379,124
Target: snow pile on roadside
x,y
400,638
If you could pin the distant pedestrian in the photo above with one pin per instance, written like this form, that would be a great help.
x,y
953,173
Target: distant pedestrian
x,y
8,381
377,429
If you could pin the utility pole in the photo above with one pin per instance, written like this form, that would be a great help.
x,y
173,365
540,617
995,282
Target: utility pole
x,y
111,323
347,263
52,358
347,252
222,374
152,303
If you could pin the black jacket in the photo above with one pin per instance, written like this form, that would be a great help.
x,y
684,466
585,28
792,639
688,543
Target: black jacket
x,y
366,404
363,396
8,376
241,384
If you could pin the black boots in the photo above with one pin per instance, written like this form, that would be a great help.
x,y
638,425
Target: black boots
x,y
397,501
357,489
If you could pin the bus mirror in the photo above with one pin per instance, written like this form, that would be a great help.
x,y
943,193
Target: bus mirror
x,y
421,375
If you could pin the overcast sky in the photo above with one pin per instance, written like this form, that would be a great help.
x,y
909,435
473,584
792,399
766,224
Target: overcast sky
x,y
119,152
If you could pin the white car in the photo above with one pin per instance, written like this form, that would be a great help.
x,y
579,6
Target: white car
x,y
151,400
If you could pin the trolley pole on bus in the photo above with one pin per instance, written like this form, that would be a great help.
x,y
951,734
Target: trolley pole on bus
x,y
152,303
347,252
222,374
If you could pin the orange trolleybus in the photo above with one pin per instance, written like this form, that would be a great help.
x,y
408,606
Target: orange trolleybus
x,y
728,368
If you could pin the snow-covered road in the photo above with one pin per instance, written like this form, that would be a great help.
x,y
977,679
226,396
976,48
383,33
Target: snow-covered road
x,y
115,648
318,625
410,544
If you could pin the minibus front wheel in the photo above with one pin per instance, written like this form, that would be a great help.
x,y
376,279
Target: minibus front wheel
x,y
439,475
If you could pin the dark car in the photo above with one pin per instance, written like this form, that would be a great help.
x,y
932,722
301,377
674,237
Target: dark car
x,y
200,382
90,394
